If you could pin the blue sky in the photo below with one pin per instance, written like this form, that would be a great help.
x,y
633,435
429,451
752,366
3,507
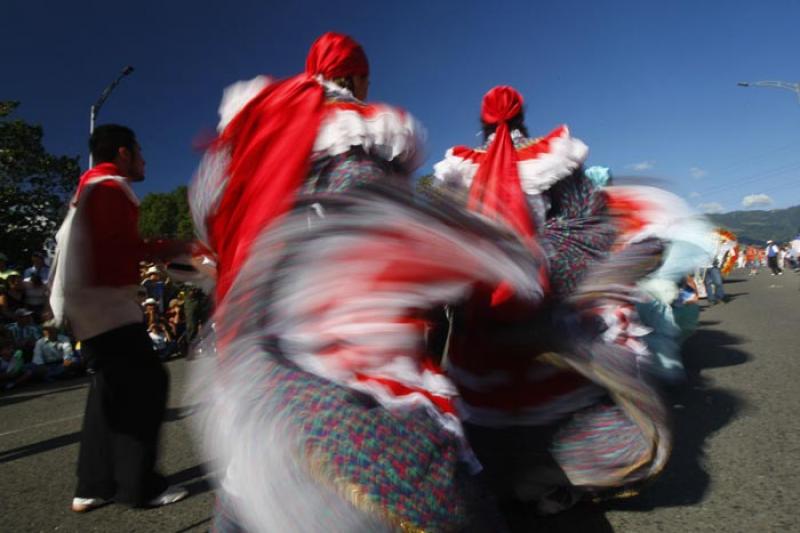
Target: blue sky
x,y
649,86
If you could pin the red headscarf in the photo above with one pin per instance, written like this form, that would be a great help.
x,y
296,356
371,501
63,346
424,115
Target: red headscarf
x,y
334,55
496,190
270,142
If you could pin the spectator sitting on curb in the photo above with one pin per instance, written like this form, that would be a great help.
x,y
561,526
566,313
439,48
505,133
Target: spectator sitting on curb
x,y
155,287
175,318
196,308
13,297
35,296
12,365
53,355
37,268
151,312
162,341
25,332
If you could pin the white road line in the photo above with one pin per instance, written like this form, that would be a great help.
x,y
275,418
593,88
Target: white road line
x,y
57,421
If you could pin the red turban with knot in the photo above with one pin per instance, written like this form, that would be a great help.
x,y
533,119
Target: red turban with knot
x,y
270,142
501,104
335,55
496,190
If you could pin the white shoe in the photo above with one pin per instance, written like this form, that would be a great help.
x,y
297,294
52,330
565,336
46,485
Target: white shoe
x,y
82,505
173,494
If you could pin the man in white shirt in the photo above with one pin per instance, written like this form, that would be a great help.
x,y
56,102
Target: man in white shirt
x,y
94,286
772,258
52,353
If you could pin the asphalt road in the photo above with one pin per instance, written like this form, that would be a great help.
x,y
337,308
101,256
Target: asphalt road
x,y
39,435
734,467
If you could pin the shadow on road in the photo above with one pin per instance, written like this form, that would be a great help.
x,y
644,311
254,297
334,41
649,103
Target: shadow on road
x,y
734,295
13,454
37,390
196,479
583,517
699,410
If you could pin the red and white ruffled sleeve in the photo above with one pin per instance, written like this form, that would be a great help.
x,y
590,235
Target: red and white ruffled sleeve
x,y
381,130
541,164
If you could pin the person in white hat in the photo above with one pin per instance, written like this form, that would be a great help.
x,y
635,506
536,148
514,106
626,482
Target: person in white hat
x,y
772,258
155,286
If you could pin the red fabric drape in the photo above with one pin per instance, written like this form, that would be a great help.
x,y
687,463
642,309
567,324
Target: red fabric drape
x,y
496,190
270,143
102,169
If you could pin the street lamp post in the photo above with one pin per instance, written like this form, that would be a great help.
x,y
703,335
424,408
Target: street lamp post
x,y
794,87
95,109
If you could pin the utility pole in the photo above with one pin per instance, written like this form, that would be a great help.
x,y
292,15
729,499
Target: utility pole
x,y
794,87
95,109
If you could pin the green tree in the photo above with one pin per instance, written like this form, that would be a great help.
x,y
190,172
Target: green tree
x,y
166,215
35,186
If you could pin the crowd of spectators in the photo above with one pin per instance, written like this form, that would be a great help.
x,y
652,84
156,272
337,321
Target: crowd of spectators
x,y
34,348
173,313
777,257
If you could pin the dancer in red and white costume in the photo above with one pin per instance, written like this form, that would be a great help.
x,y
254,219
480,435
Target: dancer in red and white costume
x,y
535,378
323,409
95,285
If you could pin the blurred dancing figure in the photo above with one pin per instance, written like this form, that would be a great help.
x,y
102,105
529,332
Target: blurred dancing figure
x,y
554,398
95,286
321,405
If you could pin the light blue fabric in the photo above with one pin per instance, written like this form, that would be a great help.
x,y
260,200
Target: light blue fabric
x,y
686,317
680,258
663,341
600,176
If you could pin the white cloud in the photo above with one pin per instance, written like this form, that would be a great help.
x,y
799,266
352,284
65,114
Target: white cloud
x,y
697,172
756,200
711,207
694,194
641,166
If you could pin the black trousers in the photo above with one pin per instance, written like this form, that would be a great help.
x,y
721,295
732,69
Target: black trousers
x,y
772,263
124,411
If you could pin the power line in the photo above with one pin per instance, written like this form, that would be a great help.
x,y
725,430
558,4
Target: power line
x,y
771,151
751,178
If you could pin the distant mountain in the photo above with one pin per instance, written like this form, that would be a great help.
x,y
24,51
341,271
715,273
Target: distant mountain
x,y
756,227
